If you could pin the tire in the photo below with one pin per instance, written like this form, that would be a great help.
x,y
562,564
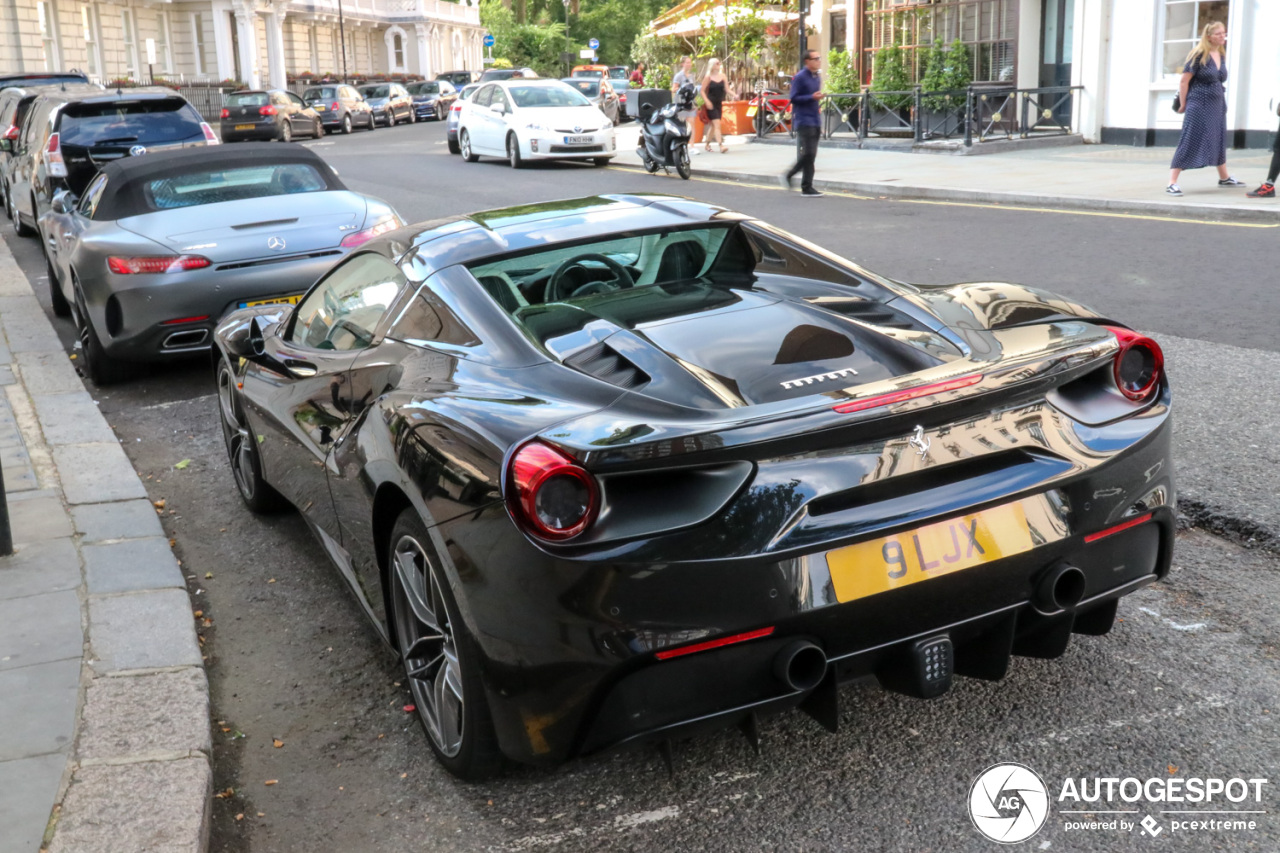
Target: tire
x,y
373,123
441,660
19,227
95,364
61,307
346,123
464,143
242,448
513,151
5,191
413,116
286,132
454,148
439,113
391,118
600,162
681,156
319,130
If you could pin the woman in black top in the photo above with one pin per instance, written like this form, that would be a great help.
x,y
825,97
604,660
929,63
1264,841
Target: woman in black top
x,y
713,95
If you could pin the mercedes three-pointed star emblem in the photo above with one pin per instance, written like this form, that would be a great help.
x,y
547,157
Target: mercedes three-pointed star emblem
x,y
276,243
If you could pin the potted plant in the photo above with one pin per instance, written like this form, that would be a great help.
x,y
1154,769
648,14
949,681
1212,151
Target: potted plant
x,y
891,84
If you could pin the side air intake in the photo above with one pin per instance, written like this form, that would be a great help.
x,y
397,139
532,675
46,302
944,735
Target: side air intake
x,y
602,362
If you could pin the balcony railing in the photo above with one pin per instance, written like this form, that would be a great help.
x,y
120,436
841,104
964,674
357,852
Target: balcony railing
x,y
394,10
977,113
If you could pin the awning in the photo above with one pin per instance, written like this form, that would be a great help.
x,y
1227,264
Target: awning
x,y
688,17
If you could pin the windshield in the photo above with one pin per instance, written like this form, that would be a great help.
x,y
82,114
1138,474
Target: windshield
x,y
376,91
248,99
325,93
585,85
618,73
147,122
547,96
589,72
424,89
211,186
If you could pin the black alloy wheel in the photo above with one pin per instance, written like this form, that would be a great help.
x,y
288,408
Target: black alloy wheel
x,y
440,658
346,123
513,151
464,147
95,364
286,132
242,448
61,307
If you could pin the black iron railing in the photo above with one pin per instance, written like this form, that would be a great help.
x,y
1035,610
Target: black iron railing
x,y
978,113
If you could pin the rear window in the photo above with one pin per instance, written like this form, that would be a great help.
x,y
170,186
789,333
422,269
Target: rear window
x,y
431,88
248,99
585,85
376,91
324,93
154,121
218,185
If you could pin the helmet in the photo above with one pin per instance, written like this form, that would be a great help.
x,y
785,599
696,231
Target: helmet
x,y
685,96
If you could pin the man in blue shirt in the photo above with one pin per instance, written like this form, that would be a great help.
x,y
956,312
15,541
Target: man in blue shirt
x,y
806,98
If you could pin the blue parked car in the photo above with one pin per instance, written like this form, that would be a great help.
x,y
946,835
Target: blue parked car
x,y
432,98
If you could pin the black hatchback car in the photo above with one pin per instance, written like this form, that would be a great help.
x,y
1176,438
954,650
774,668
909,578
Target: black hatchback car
x,y
15,103
340,107
269,114
68,136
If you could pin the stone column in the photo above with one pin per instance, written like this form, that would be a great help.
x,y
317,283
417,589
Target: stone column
x,y
222,40
275,44
424,51
247,31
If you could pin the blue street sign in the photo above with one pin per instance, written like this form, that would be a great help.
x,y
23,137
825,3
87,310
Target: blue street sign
x,y
594,44
488,41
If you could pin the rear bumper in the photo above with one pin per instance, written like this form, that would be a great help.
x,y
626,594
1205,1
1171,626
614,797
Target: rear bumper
x,y
571,663
131,322
264,133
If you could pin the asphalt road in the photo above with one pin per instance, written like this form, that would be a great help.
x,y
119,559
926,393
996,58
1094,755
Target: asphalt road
x,y
1185,686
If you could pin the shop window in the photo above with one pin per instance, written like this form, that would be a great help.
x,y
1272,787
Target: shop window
x,y
1183,22
988,27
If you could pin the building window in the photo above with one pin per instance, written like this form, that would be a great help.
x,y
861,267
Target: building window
x,y
988,27
47,16
397,52
313,47
130,44
839,31
197,43
164,55
92,49
1183,22
335,47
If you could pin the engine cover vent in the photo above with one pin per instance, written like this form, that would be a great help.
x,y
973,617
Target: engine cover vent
x,y
602,362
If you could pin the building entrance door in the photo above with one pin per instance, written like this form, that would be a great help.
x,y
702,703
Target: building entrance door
x,y
1057,25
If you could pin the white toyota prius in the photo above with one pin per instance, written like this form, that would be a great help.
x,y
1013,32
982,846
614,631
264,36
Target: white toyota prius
x,y
534,119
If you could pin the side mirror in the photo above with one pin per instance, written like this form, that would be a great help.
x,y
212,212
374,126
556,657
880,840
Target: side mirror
x,y
6,144
247,341
64,201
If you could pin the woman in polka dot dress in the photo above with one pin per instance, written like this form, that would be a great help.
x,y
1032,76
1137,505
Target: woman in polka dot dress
x,y
1204,101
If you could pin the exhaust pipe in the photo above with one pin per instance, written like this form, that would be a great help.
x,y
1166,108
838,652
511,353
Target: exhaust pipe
x,y
800,665
1061,588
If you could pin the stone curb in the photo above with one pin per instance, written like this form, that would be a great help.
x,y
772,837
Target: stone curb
x,y
1161,209
125,656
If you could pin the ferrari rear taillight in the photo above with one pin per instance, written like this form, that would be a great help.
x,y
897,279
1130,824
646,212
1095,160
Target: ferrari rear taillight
x,y
554,496
1137,365
156,264
56,166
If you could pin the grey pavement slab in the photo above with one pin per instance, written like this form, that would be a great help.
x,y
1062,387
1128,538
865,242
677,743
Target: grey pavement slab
x,y
6,375
138,715
30,786
142,630
48,373
39,567
158,807
30,332
38,520
71,419
116,520
40,629
93,473
19,478
131,565
38,714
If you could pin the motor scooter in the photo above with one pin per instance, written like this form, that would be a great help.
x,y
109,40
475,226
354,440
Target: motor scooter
x,y
664,135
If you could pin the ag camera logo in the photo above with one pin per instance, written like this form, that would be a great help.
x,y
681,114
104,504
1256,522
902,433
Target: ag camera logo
x,y
1008,803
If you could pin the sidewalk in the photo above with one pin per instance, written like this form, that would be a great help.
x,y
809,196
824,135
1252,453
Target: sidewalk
x,y
1111,178
104,705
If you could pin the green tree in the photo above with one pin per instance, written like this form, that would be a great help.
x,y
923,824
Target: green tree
x,y
889,73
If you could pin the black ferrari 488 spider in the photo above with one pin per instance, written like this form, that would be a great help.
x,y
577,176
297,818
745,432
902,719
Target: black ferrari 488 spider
x,y
619,469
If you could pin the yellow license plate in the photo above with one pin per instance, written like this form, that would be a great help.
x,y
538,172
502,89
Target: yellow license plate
x,y
244,127
277,300
934,550
751,111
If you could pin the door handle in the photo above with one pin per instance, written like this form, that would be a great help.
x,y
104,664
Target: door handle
x,y
300,369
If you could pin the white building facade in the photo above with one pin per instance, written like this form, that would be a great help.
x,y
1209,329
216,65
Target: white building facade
x,y
258,42
1127,55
